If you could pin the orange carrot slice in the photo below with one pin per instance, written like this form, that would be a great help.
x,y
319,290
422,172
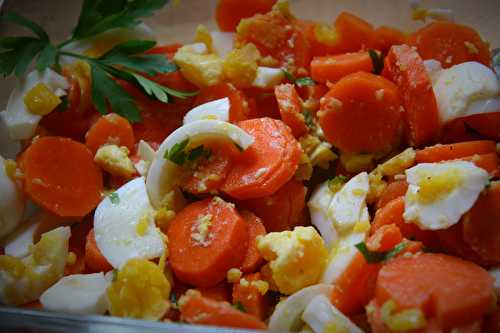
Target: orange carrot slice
x,y
394,190
475,127
355,33
333,68
249,296
94,260
384,238
229,13
385,37
453,151
110,129
253,259
238,109
290,107
220,292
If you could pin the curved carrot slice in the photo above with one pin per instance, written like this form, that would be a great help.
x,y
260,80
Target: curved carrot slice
x,y
480,229
450,43
311,95
261,103
94,260
267,164
384,238
318,47
238,109
453,151
206,239
394,190
250,297
489,162
60,175
196,309
404,66
361,113
229,13
253,259
452,291
167,50
110,129
77,242
333,68
478,126
220,292
385,37
290,107
355,33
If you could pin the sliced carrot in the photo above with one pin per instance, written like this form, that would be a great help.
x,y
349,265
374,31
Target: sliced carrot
x,y
206,239
281,210
220,292
450,43
60,175
404,66
253,259
385,37
394,190
355,33
311,96
355,286
384,238
275,35
261,103
267,164
35,305
196,309
229,13
317,46
238,110
333,68
167,50
210,173
475,127
361,113
77,242
480,228
249,296
453,151
489,162
290,107
452,291
110,129
94,260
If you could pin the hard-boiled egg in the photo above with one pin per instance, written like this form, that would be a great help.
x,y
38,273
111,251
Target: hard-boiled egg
x,y
78,294
11,201
466,89
216,110
124,225
9,148
268,77
318,205
322,317
164,175
18,243
287,315
146,155
440,193
20,122
222,42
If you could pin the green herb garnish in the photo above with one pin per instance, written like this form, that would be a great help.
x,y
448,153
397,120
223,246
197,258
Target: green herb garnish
x,y
239,307
179,155
288,75
304,81
376,257
125,61
199,152
308,118
377,61
174,301
114,198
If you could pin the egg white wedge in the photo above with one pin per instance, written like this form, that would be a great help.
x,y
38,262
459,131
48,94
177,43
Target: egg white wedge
x,y
457,87
433,68
268,77
287,314
440,193
346,207
18,243
216,110
164,175
222,42
146,155
318,205
9,148
20,122
126,229
77,294
321,315
11,202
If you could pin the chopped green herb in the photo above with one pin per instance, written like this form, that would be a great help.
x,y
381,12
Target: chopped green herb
x,y
377,61
289,76
64,104
308,117
239,307
177,153
114,198
198,152
376,257
304,81
174,301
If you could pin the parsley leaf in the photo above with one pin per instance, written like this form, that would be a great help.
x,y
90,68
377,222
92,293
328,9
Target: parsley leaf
x,y
19,20
198,152
288,75
158,91
376,257
114,198
377,61
304,81
177,153
47,57
240,307
308,118
98,16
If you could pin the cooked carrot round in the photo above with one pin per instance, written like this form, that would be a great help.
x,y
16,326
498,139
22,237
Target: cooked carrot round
x,y
477,126
355,33
251,298
450,43
267,164
205,240
333,68
385,37
238,106
94,260
361,113
290,107
394,190
228,13
110,129
253,259
61,176
453,151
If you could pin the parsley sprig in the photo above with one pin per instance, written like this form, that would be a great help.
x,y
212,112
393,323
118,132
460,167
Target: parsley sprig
x,y
180,154
376,257
125,61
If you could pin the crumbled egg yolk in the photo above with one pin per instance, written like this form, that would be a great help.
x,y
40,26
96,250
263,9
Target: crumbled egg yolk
x,y
201,69
142,227
262,286
240,65
140,291
435,186
163,217
323,155
399,163
402,321
326,34
297,258
202,35
115,160
335,327
41,100
357,162
11,170
234,275
24,280
71,258
200,233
